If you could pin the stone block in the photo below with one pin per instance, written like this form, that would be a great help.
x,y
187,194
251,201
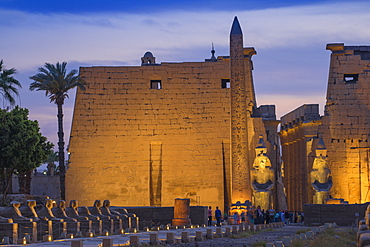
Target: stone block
x,y
153,239
108,242
198,236
364,239
77,243
219,232
170,238
209,233
279,244
287,241
227,232
270,245
184,237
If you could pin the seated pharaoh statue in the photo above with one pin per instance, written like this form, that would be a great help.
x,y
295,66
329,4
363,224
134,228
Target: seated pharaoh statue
x,y
262,177
321,180
29,211
60,212
45,212
13,212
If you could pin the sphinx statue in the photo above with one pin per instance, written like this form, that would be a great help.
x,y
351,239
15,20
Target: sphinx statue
x,y
106,210
97,223
14,213
45,212
321,180
72,211
29,211
108,222
60,212
262,177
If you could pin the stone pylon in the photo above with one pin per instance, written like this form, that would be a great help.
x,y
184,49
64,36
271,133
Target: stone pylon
x,y
242,104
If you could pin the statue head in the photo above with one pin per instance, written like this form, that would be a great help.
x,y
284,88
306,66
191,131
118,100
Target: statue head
x,y
48,203
97,203
106,203
320,163
73,203
62,204
262,162
31,203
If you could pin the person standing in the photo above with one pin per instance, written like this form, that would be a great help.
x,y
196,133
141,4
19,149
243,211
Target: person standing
x,y
210,216
218,216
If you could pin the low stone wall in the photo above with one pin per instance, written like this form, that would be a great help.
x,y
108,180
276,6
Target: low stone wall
x,y
41,186
156,216
342,214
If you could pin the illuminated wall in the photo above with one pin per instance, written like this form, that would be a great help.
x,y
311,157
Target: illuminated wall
x,y
346,123
145,135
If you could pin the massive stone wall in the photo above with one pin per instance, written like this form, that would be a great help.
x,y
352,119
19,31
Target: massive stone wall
x,y
145,135
141,146
346,124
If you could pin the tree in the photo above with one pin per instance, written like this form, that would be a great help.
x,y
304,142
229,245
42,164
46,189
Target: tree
x,y
8,83
56,82
22,146
50,161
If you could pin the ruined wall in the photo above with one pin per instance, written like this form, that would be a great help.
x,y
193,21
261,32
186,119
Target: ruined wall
x,y
139,146
346,123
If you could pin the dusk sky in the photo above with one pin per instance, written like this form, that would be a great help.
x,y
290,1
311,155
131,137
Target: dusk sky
x,y
290,68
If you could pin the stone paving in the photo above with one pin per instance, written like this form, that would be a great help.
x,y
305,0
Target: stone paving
x,y
267,235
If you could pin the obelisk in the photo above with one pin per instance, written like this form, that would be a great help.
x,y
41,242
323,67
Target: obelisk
x,y
241,189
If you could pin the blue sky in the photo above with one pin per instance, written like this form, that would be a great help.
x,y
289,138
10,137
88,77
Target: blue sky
x,y
290,68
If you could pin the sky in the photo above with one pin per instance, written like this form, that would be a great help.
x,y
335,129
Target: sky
x,y
290,68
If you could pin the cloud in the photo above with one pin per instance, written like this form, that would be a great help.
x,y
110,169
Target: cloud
x,y
291,63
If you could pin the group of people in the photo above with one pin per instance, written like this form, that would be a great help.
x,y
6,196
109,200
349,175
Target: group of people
x,y
218,215
257,216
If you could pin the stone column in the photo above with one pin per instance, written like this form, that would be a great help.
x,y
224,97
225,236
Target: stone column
x,y
181,212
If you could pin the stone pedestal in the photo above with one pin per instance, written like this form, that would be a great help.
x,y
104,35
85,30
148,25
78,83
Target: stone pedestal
x,y
9,230
108,225
44,227
181,212
27,228
73,227
59,228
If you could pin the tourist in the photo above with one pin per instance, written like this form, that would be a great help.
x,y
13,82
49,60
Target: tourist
x,y
242,215
250,214
267,217
218,215
259,216
286,216
276,218
210,216
236,218
282,216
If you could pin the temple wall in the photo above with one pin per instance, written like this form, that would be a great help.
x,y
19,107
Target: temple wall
x,y
346,124
139,146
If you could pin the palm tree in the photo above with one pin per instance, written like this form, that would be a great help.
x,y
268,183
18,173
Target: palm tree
x,y
56,82
8,83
